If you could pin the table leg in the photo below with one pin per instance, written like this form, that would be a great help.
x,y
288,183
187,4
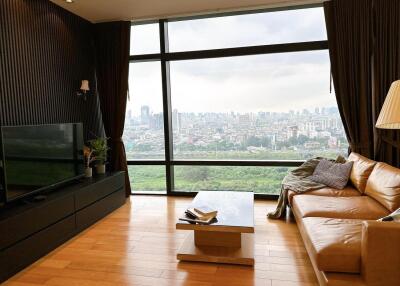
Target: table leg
x,y
196,247
213,238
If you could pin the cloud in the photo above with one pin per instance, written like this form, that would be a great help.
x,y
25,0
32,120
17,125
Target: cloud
x,y
250,29
252,83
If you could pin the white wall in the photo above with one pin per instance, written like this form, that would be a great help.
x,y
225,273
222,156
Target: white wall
x,y
109,10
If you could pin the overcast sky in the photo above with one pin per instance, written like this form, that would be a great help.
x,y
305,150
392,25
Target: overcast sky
x,y
274,82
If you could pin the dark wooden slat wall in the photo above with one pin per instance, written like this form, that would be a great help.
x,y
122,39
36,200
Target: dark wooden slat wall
x,y
45,51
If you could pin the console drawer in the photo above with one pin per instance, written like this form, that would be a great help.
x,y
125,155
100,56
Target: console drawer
x,y
94,192
29,250
35,219
98,210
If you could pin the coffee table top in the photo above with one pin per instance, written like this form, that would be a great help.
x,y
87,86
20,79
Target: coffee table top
x,y
235,211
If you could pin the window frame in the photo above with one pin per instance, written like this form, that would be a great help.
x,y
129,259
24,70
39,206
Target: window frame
x,y
165,57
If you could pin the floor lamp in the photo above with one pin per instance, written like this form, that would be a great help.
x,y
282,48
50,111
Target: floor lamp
x,y
389,117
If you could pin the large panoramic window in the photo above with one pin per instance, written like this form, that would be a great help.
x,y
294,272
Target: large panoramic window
x,y
230,102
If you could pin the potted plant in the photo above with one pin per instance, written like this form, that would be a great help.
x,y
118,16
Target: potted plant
x,y
88,157
99,147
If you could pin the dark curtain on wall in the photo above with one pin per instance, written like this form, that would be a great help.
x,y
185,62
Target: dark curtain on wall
x,y
349,27
112,53
386,66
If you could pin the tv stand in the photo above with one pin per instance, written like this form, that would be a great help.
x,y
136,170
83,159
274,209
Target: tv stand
x,y
30,230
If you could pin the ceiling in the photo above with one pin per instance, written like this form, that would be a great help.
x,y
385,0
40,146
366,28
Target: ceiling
x,y
111,10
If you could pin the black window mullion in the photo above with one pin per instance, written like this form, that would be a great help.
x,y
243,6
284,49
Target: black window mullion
x,y
227,163
166,92
234,52
249,51
145,58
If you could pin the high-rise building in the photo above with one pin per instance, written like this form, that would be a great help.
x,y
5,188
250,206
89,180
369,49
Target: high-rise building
x,y
156,121
145,114
176,120
293,131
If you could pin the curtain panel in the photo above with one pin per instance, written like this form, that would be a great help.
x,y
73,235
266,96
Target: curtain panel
x,y
386,66
112,42
349,28
364,44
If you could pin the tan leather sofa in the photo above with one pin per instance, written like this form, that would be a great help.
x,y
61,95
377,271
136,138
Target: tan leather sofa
x,y
346,245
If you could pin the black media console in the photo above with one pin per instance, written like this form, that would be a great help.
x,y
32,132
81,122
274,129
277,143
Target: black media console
x,y
31,229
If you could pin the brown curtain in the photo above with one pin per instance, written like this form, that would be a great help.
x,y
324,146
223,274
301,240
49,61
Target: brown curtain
x,y
386,66
112,52
349,27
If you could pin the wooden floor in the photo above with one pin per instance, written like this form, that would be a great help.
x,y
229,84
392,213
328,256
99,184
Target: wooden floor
x,y
137,245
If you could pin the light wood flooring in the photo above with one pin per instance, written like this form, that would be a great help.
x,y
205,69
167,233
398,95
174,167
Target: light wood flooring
x,y
137,245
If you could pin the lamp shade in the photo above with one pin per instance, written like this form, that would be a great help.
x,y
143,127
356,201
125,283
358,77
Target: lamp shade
x,y
85,85
389,118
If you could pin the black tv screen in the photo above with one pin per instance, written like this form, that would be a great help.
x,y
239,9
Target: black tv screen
x,y
39,157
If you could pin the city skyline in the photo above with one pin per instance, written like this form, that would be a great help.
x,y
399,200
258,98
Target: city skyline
x,y
295,134
295,111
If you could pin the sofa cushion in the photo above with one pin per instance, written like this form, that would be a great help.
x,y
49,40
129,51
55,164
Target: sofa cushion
x,y
361,207
384,186
334,244
348,191
334,175
362,168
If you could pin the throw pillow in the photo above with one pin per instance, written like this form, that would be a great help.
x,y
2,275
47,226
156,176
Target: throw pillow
x,y
340,159
394,216
334,175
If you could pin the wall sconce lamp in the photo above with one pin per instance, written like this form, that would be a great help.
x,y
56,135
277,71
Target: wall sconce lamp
x,y
84,89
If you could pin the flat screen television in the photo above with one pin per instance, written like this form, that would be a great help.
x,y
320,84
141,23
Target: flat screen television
x,y
36,158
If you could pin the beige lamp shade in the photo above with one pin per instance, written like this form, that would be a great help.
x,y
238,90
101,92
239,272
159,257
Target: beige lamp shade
x,y
389,118
85,85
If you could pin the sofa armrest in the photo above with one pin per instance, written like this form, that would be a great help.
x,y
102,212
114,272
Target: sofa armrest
x,y
380,253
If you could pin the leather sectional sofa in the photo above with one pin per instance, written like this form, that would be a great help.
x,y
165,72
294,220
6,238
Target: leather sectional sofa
x,y
345,242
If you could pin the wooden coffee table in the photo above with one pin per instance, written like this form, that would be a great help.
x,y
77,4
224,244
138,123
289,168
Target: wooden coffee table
x,y
230,239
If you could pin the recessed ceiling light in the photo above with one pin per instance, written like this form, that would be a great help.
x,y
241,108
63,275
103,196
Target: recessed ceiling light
x,y
69,1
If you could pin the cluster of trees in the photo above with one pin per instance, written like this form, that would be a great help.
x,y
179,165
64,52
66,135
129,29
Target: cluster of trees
x,y
254,141
143,147
224,145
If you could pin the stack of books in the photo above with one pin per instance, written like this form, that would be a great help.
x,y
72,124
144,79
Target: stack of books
x,y
200,215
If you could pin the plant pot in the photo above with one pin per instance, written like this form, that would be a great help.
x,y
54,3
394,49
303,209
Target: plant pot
x,y
88,172
101,169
